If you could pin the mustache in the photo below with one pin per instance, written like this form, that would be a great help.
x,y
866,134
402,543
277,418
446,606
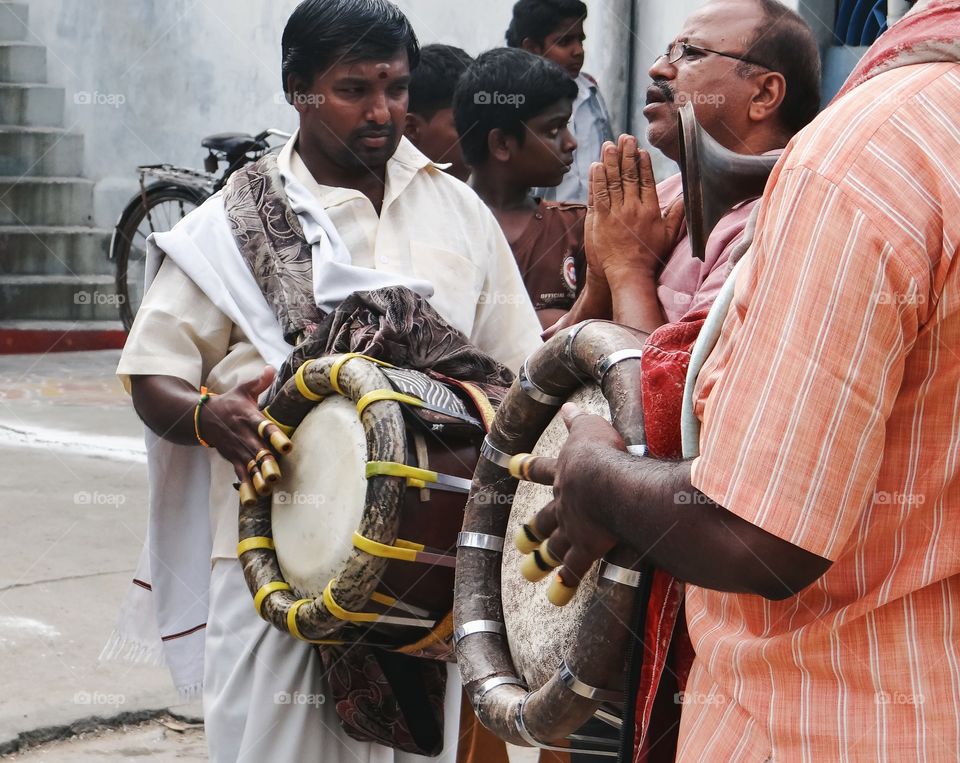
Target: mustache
x,y
388,131
664,87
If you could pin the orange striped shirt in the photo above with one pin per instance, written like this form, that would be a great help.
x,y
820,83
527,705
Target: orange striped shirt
x,y
831,418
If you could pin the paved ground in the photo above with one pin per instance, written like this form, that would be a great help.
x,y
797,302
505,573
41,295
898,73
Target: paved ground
x,y
74,478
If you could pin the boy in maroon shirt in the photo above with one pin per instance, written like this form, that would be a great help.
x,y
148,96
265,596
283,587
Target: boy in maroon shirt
x,y
512,111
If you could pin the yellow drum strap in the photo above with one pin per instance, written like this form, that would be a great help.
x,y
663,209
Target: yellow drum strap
x,y
345,614
286,429
415,477
266,590
385,394
403,550
369,617
301,383
295,631
258,541
338,364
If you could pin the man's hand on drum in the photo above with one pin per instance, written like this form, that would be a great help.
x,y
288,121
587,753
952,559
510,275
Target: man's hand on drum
x,y
233,424
567,526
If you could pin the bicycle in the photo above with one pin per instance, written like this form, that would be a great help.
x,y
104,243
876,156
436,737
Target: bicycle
x,y
167,194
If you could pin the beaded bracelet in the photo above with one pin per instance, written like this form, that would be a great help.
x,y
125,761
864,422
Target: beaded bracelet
x,y
204,396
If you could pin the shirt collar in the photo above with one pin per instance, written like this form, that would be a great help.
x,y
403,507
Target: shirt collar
x,y
402,167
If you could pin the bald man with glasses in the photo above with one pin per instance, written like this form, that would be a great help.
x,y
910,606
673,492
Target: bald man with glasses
x,y
751,69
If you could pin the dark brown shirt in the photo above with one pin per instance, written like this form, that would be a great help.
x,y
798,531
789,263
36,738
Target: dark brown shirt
x,y
550,254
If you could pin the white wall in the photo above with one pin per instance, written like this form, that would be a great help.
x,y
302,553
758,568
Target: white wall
x,y
167,72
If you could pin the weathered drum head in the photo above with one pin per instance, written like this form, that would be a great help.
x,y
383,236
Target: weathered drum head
x,y
318,504
539,633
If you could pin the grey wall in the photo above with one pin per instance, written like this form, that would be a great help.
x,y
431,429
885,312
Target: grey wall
x,y
160,74
146,79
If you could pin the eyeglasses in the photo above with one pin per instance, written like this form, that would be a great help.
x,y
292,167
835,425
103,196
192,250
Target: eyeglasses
x,y
678,50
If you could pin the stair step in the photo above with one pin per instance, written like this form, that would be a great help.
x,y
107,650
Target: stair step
x,y
50,250
20,336
23,62
66,298
40,151
46,201
31,105
13,22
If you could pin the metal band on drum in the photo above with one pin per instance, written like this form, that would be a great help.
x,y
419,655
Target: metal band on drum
x,y
618,574
478,626
480,540
604,366
492,683
530,739
585,690
533,391
494,455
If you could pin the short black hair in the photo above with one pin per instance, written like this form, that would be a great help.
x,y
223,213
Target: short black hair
x,y
433,83
785,43
321,32
537,19
503,89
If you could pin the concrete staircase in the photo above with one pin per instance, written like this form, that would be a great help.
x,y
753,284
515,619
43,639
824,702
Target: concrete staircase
x,y
55,278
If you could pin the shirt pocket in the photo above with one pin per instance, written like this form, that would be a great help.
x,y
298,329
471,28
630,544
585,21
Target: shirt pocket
x,y
456,282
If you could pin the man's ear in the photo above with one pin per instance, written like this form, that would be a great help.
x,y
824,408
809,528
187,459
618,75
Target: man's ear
x,y
412,127
532,46
296,87
499,145
771,89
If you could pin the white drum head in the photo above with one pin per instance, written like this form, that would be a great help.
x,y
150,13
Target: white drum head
x,y
539,633
318,504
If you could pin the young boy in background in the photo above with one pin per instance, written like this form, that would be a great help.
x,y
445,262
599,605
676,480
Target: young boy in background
x,y
429,124
554,29
512,110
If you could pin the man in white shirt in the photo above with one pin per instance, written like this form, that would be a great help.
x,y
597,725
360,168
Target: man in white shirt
x,y
376,213
554,29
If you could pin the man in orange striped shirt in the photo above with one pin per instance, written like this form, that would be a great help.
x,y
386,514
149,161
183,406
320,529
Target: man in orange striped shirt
x,y
819,530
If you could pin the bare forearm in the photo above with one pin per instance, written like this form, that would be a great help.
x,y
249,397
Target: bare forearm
x,y
166,404
635,301
652,506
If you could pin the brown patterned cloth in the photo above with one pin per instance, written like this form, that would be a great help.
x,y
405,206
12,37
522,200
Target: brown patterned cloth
x,y
269,236
380,696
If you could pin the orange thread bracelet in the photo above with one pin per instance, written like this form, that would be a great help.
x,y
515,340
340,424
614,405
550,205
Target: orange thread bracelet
x,y
204,396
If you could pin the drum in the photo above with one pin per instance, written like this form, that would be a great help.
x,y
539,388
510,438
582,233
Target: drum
x,y
357,541
534,672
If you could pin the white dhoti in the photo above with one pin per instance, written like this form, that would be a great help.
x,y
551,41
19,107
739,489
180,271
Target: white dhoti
x,y
264,697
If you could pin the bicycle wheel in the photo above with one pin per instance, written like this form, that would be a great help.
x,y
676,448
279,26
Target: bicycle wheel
x,y
158,210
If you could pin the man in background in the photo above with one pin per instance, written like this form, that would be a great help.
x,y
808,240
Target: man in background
x,y
429,124
554,29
